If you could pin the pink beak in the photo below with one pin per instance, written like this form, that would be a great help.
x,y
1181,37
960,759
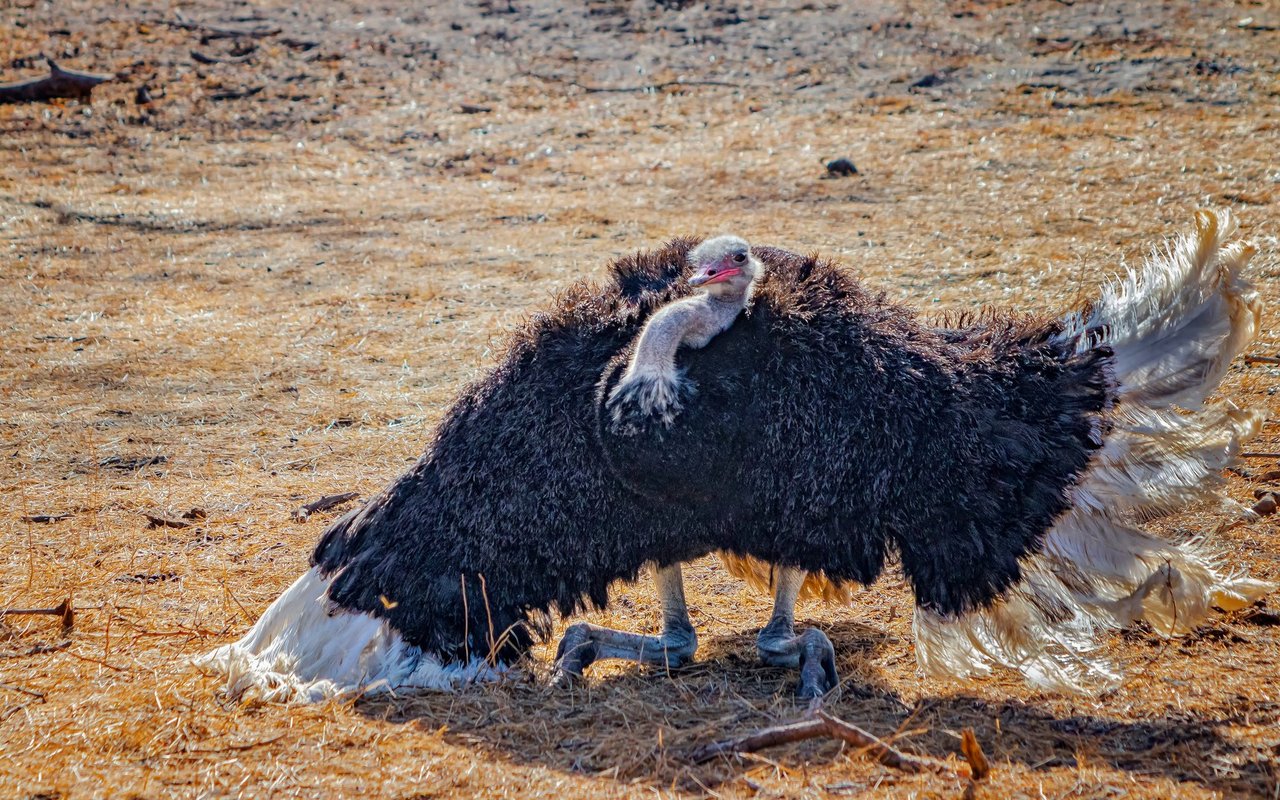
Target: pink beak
x,y
713,275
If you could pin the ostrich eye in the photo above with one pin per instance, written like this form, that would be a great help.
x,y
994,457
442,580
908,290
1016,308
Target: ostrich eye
x,y
738,258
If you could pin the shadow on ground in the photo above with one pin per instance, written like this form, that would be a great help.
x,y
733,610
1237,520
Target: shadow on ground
x,y
639,725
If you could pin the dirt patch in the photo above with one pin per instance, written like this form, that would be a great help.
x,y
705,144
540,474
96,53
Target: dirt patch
x,y
262,280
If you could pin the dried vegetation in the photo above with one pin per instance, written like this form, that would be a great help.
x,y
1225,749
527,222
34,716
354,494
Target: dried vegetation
x,y
255,269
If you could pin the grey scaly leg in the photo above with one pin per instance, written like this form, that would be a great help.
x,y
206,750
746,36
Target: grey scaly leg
x,y
584,643
811,650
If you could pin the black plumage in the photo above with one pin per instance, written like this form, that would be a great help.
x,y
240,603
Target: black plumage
x,y
821,424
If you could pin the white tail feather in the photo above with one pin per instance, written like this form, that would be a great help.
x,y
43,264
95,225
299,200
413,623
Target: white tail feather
x,y
1174,327
1175,324
301,649
1155,462
1037,629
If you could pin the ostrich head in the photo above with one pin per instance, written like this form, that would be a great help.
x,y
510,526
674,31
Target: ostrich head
x,y
724,265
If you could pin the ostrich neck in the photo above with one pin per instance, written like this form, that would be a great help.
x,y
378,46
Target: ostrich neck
x,y
693,321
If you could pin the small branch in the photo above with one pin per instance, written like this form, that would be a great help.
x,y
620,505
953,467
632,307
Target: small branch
x,y
92,660
201,58
1260,455
131,463
648,87
63,610
212,32
46,517
157,521
323,504
761,739
238,94
236,747
972,752
885,753
825,725
1261,360
22,689
60,83
229,33
37,650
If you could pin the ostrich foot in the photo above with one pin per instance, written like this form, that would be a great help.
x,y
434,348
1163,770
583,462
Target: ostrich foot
x,y
584,643
810,650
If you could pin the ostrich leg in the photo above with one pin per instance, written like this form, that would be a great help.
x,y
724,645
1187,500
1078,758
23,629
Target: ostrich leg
x,y
780,646
584,643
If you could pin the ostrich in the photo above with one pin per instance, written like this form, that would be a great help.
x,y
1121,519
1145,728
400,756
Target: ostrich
x,y
817,415
651,385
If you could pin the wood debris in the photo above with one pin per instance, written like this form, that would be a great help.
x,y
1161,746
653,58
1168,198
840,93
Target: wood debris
x,y
64,610
160,521
202,58
46,517
323,504
60,83
824,725
131,463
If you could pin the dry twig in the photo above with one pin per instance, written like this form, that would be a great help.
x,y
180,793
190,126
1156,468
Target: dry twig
x,y
158,521
63,610
645,87
46,517
237,94
201,58
23,690
323,504
59,83
212,32
824,725
972,752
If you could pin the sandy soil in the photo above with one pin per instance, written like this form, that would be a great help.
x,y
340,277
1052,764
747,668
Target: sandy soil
x,y
268,277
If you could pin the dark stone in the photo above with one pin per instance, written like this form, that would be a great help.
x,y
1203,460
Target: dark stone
x,y
841,168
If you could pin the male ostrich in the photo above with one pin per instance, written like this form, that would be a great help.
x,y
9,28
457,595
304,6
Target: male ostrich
x,y
814,419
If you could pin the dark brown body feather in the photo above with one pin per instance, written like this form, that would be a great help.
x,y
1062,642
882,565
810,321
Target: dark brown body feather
x,y
829,427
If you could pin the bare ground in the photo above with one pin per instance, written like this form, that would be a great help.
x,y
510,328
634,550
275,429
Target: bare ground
x,y
277,272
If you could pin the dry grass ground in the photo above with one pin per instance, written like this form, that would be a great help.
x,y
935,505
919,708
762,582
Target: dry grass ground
x,y
280,293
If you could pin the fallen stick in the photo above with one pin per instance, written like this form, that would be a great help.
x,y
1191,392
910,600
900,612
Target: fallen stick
x,y
214,32
1260,455
37,650
46,517
1261,360
323,504
238,94
825,725
644,87
157,521
63,610
201,58
979,767
22,689
60,83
